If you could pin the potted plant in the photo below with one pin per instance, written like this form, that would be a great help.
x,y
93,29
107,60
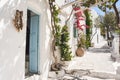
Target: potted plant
x,y
81,45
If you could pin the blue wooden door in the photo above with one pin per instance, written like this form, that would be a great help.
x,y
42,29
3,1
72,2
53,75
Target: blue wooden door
x,y
34,39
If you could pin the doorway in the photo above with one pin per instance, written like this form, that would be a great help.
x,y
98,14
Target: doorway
x,y
32,44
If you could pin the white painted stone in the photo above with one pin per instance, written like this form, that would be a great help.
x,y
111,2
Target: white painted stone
x,y
52,74
33,77
118,70
56,74
60,73
117,77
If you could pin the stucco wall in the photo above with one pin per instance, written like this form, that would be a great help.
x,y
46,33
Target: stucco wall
x,y
96,37
64,15
115,48
12,43
41,7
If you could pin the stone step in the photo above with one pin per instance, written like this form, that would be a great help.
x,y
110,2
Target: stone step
x,y
98,50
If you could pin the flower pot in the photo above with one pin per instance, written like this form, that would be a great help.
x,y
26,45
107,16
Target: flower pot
x,y
80,52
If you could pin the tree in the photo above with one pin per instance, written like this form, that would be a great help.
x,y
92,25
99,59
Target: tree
x,y
111,4
109,22
109,25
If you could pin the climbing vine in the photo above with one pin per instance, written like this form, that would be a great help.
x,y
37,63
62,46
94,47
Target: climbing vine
x,y
60,36
88,30
55,26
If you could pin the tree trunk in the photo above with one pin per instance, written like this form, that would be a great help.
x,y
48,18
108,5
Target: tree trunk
x,y
117,13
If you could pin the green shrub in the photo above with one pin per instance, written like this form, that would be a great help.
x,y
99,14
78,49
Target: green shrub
x,y
65,48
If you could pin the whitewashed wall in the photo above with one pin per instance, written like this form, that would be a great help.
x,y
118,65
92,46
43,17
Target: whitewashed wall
x,y
72,41
12,43
115,47
41,7
64,15
45,36
96,35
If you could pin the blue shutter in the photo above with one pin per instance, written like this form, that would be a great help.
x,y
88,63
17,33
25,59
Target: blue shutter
x,y
34,31
74,32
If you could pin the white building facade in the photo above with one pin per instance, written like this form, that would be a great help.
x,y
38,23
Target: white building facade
x,y
96,36
28,50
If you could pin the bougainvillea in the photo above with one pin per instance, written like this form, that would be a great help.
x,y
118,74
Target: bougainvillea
x,y
78,18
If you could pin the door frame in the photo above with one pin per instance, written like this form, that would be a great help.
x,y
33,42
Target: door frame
x,y
36,12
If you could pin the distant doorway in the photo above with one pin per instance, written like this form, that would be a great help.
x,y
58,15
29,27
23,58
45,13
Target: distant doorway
x,y
32,43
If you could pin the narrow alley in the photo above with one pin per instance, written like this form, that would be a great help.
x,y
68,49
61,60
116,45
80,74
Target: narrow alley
x,y
96,64
60,40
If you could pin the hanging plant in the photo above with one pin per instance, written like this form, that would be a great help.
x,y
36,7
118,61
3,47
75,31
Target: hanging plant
x,y
79,17
81,44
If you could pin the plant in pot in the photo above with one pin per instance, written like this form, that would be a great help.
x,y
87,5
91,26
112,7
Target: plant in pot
x,y
81,45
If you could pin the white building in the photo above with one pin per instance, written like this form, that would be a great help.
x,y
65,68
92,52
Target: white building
x,y
96,37
31,46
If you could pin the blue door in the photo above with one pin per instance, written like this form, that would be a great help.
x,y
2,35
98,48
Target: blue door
x,y
34,42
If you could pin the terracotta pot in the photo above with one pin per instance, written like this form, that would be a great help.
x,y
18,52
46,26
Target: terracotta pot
x,y
80,52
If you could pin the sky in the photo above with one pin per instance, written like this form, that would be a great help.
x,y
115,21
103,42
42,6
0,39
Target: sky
x,y
101,12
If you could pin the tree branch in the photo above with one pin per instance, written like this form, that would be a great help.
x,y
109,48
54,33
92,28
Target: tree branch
x,y
69,17
117,13
81,2
69,4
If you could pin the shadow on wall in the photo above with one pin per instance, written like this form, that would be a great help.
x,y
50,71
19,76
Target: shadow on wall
x,y
48,43
45,38
11,66
7,13
45,70
11,57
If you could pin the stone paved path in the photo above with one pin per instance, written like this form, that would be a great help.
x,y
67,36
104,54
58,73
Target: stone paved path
x,y
96,64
